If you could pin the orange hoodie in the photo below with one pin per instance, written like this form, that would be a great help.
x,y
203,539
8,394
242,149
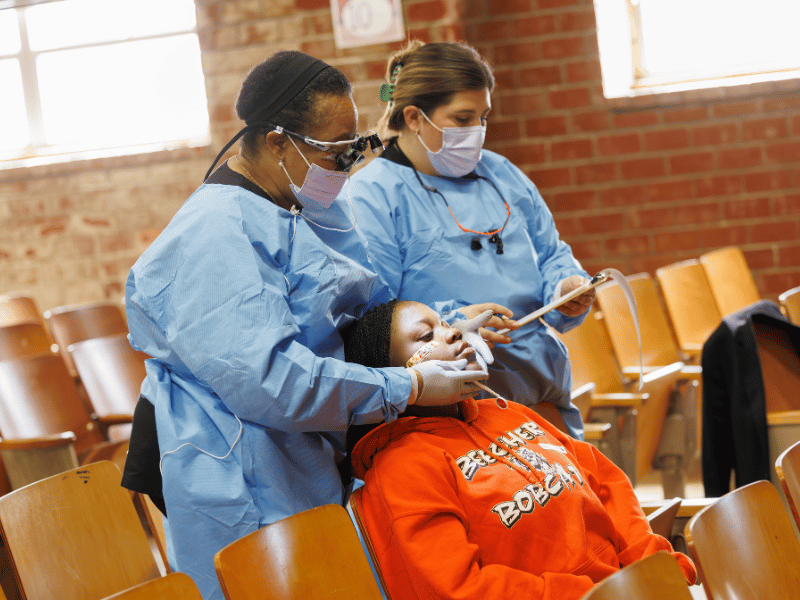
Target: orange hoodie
x,y
500,505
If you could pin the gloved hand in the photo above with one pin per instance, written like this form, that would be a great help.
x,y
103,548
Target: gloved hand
x,y
444,382
469,332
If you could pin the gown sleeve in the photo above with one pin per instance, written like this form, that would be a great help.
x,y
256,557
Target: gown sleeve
x,y
213,311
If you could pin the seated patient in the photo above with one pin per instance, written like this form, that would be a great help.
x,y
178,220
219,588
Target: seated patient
x,y
485,499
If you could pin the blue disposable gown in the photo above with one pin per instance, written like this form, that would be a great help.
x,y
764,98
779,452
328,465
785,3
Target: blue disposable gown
x,y
422,254
239,302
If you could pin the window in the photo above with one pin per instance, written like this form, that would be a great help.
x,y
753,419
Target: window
x,y
85,78
649,46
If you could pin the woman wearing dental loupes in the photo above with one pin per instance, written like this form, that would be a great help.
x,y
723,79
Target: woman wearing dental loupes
x,y
445,219
239,302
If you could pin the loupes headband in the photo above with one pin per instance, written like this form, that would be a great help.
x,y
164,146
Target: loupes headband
x,y
296,74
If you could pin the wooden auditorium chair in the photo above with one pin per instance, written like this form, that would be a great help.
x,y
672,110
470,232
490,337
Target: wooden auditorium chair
x,y
690,304
637,440
312,555
656,577
76,323
174,586
18,307
787,467
111,372
790,304
44,424
76,535
730,279
24,339
744,546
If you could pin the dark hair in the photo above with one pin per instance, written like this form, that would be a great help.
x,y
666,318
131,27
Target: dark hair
x,y
300,114
429,76
367,340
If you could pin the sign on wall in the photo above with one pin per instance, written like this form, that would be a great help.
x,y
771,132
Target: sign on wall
x,y
364,22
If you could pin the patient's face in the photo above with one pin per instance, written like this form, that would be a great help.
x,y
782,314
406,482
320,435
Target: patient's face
x,y
414,325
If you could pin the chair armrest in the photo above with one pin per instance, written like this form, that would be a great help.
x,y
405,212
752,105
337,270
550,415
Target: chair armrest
x,y
619,400
593,432
46,441
784,417
692,351
109,420
688,372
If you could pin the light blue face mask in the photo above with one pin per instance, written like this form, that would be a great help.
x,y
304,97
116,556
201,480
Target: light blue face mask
x,y
460,152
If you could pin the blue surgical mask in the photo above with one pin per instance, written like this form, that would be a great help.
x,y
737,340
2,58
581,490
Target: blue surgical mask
x,y
461,149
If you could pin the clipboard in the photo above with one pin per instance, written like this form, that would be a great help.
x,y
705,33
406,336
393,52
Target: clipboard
x,y
599,278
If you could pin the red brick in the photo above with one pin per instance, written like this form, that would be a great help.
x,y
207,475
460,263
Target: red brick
x,y
759,259
586,248
572,149
603,223
116,243
548,178
786,205
735,109
595,173
503,7
538,76
575,21
558,3
53,226
643,168
653,218
593,121
519,104
784,103
774,232
504,79
789,256
502,130
628,245
618,144
669,191
427,11
789,152
423,34
777,283
321,48
796,125
569,98
525,153
691,163
666,140
623,196
715,134
764,129
534,26
718,186
583,71
685,114
311,4
635,119
696,213
544,126
678,240
766,180
562,47
739,158
494,31
567,226
317,24
751,208
572,200
515,53
717,237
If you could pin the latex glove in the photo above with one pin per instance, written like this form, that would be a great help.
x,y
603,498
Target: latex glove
x,y
469,332
576,306
444,382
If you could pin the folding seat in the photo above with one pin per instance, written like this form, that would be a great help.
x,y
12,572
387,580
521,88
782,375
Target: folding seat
x,y
730,279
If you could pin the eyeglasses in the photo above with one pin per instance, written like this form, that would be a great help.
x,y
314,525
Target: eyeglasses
x,y
345,159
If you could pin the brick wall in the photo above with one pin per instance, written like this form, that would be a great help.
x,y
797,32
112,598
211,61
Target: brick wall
x,y
631,187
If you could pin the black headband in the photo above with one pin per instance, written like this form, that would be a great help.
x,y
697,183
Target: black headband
x,y
295,74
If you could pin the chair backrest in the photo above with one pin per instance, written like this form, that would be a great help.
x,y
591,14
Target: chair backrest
x,y
156,522
658,344
18,308
356,503
20,340
788,469
690,303
76,535
303,557
656,577
111,371
38,398
75,323
730,279
790,303
745,547
591,360
780,366
174,586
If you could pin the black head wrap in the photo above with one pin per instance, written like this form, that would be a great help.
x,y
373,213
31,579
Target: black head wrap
x,y
292,79
366,341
